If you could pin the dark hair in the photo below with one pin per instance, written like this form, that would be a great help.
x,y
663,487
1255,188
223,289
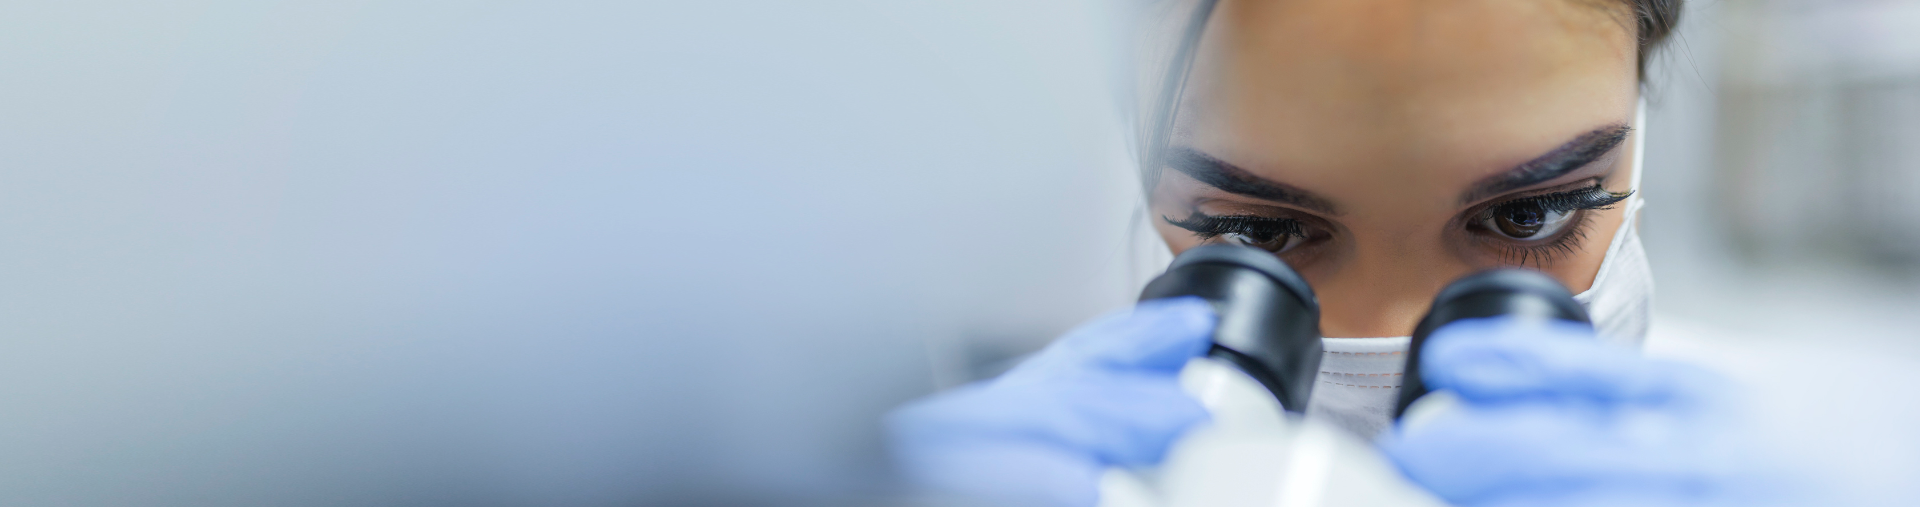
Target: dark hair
x,y
1654,21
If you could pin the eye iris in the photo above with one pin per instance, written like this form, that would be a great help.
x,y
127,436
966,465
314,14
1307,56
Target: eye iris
x,y
1520,220
1261,236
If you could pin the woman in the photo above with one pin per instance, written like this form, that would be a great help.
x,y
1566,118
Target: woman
x,y
1382,148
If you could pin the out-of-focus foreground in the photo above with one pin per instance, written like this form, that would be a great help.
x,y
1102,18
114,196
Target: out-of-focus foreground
x,y
487,253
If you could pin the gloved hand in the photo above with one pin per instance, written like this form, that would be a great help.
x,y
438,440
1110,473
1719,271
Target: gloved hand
x,y
1550,416
1106,394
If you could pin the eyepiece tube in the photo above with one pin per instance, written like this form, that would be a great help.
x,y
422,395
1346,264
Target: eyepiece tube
x,y
1510,292
1269,319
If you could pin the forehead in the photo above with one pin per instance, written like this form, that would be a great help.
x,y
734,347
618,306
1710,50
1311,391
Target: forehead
x,y
1336,93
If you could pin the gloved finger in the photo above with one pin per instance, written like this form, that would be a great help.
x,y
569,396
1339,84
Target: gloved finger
x,y
1157,335
1128,420
1491,360
1118,419
1500,454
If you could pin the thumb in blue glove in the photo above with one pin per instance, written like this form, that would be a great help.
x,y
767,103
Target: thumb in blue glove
x,y
1105,394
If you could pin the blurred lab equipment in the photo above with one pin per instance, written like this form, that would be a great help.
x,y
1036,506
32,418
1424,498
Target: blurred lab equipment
x,y
1817,112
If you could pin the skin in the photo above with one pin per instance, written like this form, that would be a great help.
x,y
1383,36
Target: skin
x,y
1391,110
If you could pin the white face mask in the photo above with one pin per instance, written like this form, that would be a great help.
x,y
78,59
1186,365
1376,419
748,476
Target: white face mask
x,y
1620,301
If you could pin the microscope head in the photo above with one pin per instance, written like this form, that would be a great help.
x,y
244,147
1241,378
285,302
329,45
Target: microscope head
x,y
1269,318
1518,293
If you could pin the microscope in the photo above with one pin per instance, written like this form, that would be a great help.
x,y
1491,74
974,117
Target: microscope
x,y
1259,449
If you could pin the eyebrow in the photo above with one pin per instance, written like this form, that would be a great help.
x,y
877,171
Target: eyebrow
x,y
1567,158
1232,179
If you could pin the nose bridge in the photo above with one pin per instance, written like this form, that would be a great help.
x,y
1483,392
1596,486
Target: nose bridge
x,y
1388,283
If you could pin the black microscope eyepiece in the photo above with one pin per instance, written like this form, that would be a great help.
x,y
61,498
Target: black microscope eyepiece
x,y
1500,292
1269,320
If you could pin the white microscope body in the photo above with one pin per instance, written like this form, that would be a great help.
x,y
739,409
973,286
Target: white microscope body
x,y
1254,454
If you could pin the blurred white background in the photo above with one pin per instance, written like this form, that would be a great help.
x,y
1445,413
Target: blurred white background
x,y
526,253
1783,172
584,253
1783,223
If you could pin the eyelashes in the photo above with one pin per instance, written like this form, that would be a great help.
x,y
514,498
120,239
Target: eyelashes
x,y
1258,228
1590,198
1279,234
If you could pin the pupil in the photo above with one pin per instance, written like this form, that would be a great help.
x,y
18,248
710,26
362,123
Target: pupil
x,y
1525,215
1521,220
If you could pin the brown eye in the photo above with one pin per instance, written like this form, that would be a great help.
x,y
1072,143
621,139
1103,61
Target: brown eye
x,y
1524,220
1275,243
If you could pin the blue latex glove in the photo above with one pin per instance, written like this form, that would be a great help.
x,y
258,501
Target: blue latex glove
x,y
1106,394
1551,416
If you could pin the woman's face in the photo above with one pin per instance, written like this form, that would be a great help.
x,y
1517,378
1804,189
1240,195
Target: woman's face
x,y
1384,148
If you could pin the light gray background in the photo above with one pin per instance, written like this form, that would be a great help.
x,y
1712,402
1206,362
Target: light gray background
x,y
526,253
